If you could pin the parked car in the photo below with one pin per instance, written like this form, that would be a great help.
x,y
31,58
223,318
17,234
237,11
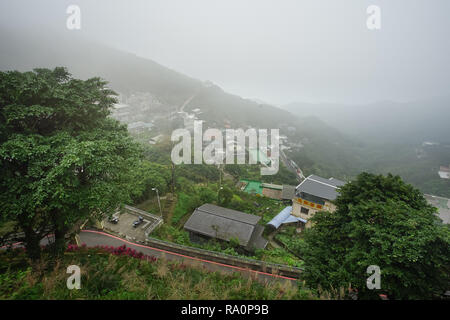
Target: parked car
x,y
113,219
138,221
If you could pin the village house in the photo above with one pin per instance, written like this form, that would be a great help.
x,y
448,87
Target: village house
x,y
274,191
314,194
213,222
271,190
444,172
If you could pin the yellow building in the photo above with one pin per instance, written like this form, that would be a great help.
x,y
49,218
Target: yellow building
x,y
315,194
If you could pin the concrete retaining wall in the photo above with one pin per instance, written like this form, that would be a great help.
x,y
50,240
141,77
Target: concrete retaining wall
x,y
252,264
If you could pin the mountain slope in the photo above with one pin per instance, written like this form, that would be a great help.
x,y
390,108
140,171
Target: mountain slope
x,y
412,122
127,73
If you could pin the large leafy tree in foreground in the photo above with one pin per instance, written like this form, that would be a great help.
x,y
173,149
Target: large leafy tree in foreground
x,y
61,157
379,221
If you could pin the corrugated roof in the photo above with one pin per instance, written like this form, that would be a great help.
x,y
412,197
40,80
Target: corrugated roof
x,y
336,182
257,241
222,223
230,213
320,187
272,186
332,181
279,218
252,186
292,219
288,192
284,217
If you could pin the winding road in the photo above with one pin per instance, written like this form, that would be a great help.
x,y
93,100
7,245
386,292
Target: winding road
x,y
97,238
92,238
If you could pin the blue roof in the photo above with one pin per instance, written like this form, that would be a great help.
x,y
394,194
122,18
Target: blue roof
x,y
285,217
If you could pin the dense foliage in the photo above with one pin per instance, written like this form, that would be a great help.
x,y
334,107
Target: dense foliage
x,y
380,221
119,273
61,157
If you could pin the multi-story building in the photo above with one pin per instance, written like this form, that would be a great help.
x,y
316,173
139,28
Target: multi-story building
x,y
315,194
444,172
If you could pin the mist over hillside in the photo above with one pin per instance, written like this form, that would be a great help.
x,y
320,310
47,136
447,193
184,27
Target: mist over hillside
x,y
128,73
385,121
230,150
329,140
411,139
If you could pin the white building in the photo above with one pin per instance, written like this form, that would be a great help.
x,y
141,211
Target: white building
x,y
444,172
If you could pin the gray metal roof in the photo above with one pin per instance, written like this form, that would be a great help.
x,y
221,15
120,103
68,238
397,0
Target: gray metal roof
x,y
288,192
272,186
320,187
333,181
222,223
257,241
336,182
230,213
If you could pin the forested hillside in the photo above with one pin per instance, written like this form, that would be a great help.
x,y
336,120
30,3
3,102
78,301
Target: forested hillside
x,y
332,140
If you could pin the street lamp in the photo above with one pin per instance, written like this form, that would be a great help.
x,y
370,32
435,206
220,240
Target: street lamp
x,y
159,202
218,194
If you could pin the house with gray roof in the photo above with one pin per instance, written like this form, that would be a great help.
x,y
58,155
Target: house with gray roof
x,y
315,194
213,222
288,192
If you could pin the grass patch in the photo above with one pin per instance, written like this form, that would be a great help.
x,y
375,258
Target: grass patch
x,y
185,204
108,276
7,227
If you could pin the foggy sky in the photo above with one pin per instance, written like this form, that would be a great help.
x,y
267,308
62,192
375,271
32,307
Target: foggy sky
x,y
277,51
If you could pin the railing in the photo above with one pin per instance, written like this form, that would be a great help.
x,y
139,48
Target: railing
x,y
153,226
242,262
258,265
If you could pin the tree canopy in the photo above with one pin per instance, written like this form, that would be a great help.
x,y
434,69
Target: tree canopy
x,y
61,157
380,221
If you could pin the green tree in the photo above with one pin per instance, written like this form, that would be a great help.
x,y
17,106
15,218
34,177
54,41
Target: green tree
x,y
206,195
61,157
379,221
224,196
149,175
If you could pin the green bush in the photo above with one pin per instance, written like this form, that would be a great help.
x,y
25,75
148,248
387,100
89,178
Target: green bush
x,y
105,276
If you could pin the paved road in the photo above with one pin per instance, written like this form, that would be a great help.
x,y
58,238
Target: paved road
x,y
94,238
288,164
187,101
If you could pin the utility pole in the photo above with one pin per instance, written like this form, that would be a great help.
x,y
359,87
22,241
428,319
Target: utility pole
x,y
173,177
218,194
220,176
159,202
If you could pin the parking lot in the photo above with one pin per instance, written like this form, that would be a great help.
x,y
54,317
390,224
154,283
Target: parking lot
x,y
443,205
124,227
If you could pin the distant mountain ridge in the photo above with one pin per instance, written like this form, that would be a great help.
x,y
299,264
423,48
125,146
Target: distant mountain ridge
x,y
411,122
324,149
25,50
127,72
